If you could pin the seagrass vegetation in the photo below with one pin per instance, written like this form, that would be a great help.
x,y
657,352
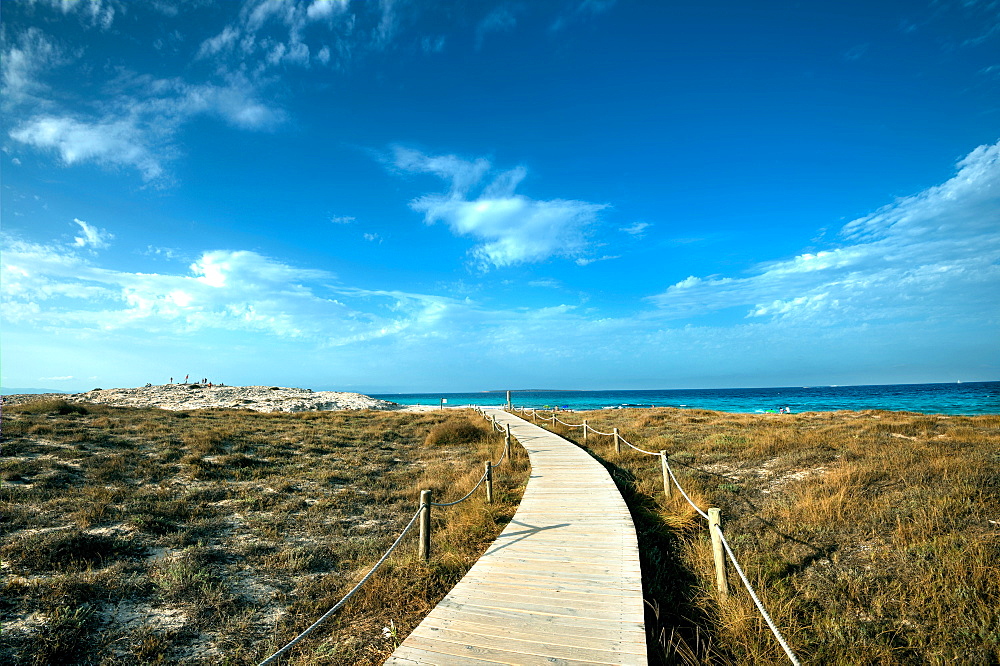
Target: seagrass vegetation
x,y
872,537
136,535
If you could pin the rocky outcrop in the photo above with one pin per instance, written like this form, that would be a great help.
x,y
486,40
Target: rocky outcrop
x,y
201,396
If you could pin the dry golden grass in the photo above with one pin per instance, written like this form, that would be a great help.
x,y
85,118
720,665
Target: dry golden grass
x,y
872,537
146,536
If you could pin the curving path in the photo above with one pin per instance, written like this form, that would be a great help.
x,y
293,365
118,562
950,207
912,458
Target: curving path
x,y
560,585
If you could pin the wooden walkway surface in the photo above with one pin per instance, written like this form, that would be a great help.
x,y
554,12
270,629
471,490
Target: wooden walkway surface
x,y
560,585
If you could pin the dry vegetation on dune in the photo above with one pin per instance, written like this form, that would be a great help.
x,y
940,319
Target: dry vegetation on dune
x,y
872,537
145,536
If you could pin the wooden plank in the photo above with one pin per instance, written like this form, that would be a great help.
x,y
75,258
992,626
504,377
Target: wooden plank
x,y
505,656
596,639
610,654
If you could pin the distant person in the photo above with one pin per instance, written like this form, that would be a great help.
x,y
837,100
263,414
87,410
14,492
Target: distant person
x,y
171,380
186,378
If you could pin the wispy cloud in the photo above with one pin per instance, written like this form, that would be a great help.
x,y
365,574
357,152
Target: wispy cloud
x,y
512,228
92,13
92,236
23,62
501,19
856,52
931,255
107,142
637,230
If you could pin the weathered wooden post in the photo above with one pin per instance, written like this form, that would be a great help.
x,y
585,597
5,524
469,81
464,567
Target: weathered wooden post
x,y
489,482
719,554
506,443
424,551
585,430
508,399
667,486
534,418
618,442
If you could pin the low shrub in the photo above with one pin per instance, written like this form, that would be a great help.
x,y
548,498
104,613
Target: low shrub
x,y
456,431
48,406
51,551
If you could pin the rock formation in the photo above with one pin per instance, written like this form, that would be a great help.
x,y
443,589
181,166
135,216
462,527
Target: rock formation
x,y
201,396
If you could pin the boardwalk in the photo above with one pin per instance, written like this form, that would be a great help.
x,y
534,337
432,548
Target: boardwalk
x,y
560,585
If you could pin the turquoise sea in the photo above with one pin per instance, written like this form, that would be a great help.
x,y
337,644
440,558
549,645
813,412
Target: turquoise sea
x,y
958,398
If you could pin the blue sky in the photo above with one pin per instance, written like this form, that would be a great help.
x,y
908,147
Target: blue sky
x,y
443,196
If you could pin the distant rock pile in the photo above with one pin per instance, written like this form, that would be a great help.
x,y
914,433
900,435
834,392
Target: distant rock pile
x,y
201,396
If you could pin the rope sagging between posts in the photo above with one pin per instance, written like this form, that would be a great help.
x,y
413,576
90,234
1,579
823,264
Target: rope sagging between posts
x,y
288,646
459,501
760,606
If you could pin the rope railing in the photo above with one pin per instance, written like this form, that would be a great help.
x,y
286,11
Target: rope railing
x,y
288,646
474,488
422,511
714,527
757,601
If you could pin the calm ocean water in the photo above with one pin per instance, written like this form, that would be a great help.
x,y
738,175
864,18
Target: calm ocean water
x,y
964,398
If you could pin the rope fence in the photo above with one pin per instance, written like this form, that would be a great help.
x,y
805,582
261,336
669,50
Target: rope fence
x,y
422,515
719,543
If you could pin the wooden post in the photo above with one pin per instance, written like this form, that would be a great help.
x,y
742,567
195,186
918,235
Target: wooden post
x,y
666,474
585,430
425,525
489,483
534,418
506,443
508,399
618,442
715,527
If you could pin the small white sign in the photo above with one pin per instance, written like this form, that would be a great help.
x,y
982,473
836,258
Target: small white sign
x,y
443,400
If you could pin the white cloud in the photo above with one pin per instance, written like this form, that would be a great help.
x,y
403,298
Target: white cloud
x,y
63,378
115,142
22,63
324,9
94,13
244,293
137,129
512,228
92,236
638,229
372,238
344,219
268,34
586,261
931,255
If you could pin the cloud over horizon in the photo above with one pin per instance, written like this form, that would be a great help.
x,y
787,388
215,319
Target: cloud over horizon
x,y
930,255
